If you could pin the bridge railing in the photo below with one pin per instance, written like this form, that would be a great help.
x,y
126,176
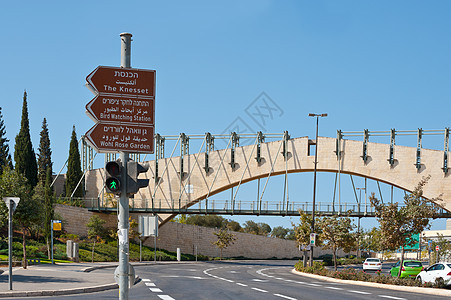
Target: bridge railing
x,y
228,207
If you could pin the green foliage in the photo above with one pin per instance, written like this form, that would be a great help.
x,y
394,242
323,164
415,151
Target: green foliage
x,y
256,228
352,274
5,157
24,155
96,228
212,221
303,230
224,240
336,234
45,153
279,232
370,240
398,225
74,172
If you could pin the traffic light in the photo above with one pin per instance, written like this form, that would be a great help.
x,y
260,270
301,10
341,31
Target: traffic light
x,y
113,171
133,170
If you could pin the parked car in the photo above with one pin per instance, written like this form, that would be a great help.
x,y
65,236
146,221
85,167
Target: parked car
x,y
374,264
410,268
439,270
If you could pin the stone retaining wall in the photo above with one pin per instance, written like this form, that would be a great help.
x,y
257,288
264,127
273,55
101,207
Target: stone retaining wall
x,y
188,237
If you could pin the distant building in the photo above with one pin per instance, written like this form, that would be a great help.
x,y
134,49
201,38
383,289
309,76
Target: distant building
x,y
432,234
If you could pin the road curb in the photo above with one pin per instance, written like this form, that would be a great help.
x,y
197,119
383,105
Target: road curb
x,y
74,291
411,289
83,290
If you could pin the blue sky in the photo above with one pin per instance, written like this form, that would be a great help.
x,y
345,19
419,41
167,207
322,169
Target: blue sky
x,y
369,64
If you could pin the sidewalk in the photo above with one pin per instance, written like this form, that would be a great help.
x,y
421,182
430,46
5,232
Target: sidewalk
x,y
60,279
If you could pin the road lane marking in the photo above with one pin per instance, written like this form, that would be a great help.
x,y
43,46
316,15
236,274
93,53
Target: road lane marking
x,y
391,297
241,284
155,290
260,280
311,284
259,290
333,288
359,292
145,279
285,297
166,297
149,283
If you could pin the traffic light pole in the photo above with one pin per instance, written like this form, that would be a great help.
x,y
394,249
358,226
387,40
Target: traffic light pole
x,y
123,215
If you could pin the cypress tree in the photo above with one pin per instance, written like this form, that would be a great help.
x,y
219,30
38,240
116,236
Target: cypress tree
x,y
74,172
24,155
45,153
5,157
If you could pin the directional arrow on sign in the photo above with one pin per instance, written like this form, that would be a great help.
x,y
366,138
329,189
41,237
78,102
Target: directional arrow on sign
x,y
114,137
121,109
113,80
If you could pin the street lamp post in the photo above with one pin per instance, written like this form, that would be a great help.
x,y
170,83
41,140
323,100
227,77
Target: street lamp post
x,y
314,180
358,218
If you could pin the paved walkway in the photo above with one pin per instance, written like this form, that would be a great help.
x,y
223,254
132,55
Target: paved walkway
x,y
60,279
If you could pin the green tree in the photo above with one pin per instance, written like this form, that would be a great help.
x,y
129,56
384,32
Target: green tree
x,y
45,153
279,232
212,221
96,231
224,240
74,173
303,230
256,228
24,155
5,157
336,232
398,225
234,226
43,194
370,240
14,184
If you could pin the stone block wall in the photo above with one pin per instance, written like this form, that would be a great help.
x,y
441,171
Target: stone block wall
x,y
189,238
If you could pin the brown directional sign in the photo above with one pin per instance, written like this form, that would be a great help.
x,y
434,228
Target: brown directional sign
x,y
114,137
122,109
113,80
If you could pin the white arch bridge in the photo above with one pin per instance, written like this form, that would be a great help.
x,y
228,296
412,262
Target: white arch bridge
x,y
188,182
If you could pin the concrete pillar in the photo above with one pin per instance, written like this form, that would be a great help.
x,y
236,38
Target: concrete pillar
x,y
69,248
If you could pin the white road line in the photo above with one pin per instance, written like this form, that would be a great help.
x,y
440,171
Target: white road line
x,y
333,288
283,296
391,297
166,297
259,290
155,290
312,284
241,284
145,279
260,280
359,292
149,283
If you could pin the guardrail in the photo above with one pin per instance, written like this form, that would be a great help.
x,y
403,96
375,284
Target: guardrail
x,y
239,207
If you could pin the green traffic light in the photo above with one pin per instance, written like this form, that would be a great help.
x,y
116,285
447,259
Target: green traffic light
x,y
113,184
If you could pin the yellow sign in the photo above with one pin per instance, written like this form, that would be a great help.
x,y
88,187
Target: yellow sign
x,y
57,225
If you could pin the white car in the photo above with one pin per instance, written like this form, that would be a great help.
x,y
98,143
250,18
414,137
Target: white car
x,y
439,270
373,264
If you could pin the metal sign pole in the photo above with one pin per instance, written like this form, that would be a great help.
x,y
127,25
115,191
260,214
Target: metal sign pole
x,y
51,237
123,215
10,244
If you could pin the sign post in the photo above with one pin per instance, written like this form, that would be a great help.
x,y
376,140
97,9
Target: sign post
x,y
11,203
124,111
54,225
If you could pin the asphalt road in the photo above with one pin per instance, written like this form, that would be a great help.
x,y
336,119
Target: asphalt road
x,y
241,280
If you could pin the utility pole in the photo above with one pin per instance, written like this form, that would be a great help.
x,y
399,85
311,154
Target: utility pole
x,y
317,116
123,215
